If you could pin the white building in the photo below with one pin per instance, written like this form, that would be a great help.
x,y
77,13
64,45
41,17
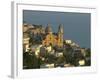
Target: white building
x,y
68,41
36,49
49,48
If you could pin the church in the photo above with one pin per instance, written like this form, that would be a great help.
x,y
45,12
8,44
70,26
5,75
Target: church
x,y
53,39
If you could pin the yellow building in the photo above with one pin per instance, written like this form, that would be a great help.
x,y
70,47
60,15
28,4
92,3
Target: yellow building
x,y
51,39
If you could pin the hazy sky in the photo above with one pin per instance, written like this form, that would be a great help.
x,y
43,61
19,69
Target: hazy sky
x,y
76,25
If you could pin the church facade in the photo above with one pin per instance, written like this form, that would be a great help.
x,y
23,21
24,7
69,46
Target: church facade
x,y
53,39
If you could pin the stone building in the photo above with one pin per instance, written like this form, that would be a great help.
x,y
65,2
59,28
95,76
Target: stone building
x,y
26,37
26,41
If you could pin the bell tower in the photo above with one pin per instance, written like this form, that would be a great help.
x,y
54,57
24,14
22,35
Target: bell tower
x,y
60,35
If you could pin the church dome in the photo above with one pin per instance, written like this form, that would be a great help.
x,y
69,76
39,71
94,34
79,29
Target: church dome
x,y
48,29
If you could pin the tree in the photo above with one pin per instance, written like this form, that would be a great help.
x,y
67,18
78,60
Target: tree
x,y
88,57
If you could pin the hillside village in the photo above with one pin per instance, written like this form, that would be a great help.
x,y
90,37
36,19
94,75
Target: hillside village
x,y
43,48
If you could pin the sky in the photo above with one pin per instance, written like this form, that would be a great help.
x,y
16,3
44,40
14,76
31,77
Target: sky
x,y
77,26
